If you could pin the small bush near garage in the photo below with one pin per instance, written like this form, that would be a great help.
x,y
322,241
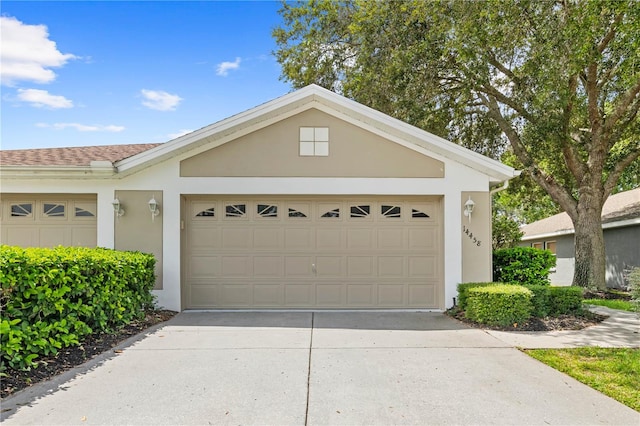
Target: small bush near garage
x,y
463,292
565,301
556,301
51,298
499,304
523,265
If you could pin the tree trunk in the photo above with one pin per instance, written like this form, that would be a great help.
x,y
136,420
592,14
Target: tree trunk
x,y
589,247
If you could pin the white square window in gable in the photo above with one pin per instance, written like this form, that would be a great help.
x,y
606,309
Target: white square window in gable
x,y
314,141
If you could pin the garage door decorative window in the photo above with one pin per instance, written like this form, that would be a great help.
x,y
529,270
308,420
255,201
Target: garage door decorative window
x,y
360,211
53,210
210,212
267,210
22,210
236,210
418,214
390,211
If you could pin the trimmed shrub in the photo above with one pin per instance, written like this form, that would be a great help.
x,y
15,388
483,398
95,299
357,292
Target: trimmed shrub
x,y
523,265
463,292
499,304
565,301
541,300
51,298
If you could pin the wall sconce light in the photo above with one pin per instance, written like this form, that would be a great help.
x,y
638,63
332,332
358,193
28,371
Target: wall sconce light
x,y
153,207
468,208
117,208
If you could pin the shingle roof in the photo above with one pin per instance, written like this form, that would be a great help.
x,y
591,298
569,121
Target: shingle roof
x,y
72,156
620,206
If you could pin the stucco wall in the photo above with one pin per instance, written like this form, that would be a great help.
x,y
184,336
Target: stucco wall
x,y
476,237
622,246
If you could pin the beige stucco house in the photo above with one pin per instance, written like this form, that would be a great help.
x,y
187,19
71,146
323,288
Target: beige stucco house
x,y
310,201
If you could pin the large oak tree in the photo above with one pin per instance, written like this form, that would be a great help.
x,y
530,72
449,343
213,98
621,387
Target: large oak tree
x,y
557,83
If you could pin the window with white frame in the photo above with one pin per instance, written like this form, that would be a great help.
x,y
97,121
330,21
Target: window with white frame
x,y
314,141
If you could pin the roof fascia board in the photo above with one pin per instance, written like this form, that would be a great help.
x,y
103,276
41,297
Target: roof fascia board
x,y
608,225
58,172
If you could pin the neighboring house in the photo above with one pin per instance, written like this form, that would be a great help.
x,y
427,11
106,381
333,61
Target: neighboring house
x,y
621,228
308,201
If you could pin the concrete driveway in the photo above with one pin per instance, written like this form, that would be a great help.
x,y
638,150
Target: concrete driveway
x,y
302,368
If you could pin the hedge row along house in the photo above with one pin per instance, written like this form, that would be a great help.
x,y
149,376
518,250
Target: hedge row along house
x,y
310,201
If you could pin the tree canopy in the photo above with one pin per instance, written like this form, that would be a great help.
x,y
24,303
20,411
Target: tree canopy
x,y
554,83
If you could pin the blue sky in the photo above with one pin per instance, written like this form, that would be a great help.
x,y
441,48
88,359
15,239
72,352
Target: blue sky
x,y
96,73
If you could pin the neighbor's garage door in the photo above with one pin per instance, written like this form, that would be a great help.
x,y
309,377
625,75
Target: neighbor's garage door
x,y
276,252
48,220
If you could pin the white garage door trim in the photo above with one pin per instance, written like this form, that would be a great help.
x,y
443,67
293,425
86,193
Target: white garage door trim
x,y
320,252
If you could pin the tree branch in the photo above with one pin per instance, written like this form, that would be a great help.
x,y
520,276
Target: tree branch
x,y
557,192
572,159
621,108
502,98
610,34
614,175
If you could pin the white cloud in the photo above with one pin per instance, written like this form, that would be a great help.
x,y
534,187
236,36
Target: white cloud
x,y
27,54
179,133
159,100
83,127
224,67
42,98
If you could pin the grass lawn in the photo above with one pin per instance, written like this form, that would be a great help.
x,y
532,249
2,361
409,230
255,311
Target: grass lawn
x,y
612,371
622,305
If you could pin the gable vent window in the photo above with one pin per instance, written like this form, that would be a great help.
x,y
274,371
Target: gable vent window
x,y
314,141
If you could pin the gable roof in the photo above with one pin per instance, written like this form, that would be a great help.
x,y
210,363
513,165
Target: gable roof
x,y
620,209
226,130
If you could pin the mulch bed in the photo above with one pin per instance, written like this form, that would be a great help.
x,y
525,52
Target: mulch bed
x,y
68,358
562,322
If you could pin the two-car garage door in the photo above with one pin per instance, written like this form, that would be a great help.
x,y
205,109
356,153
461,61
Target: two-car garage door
x,y
312,252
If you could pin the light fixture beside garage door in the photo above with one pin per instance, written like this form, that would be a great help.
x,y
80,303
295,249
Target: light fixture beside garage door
x,y
468,208
117,207
154,208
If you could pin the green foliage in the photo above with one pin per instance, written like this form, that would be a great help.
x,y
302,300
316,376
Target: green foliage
x,y
51,298
523,265
463,292
499,304
505,231
634,287
619,304
541,300
565,301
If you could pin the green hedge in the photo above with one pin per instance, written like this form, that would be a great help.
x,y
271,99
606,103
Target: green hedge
x,y
523,265
499,304
565,301
51,298
463,292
